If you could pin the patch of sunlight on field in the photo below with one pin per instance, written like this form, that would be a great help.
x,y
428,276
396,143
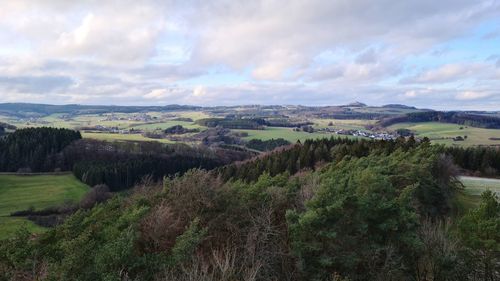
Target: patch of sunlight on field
x,y
19,192
443,133
476,185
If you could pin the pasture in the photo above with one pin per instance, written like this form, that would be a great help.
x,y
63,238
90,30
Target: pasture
x,y
443,133
475,186
38,191
286,133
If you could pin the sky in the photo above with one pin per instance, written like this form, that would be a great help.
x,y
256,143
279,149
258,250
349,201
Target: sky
x,y
431,54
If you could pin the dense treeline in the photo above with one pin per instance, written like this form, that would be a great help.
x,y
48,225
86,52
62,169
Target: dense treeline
x,y
179,129
233,123
482,160
4,127
266,145
308,155
287,123
34,149
121,165
384,215
461,118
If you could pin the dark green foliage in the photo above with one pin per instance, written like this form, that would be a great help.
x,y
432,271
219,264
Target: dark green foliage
x,y
362,222
178,129
236,123
308,155
404,132
373,210
461,118
266,145
121,166
34,149
483,160
287,123
480,231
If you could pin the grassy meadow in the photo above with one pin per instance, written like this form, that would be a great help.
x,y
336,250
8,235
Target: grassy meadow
x,y
19,192
444,133
285,133
475,186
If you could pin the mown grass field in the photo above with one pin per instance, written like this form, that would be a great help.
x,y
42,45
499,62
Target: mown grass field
x,y
473,188
37,191
444,133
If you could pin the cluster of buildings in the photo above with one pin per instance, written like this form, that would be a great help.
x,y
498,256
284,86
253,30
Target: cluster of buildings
x,y
141,117
360,133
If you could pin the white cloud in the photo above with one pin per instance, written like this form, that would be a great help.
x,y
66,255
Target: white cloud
x,y
148,51
472,95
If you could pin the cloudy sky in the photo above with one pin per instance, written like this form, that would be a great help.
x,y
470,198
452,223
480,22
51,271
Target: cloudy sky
x,y
435,54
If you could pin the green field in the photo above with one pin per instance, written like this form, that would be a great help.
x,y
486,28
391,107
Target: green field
x,y
444,133
285,133
345,124
38,191
475,186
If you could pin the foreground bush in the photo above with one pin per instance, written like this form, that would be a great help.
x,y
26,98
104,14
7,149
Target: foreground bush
x,y
381,216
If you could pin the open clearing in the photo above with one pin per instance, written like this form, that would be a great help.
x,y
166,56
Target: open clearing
x,y
444,133
475,186
38,191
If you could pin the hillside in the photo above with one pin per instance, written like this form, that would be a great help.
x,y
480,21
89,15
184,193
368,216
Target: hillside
x,y
19,193
462,118
352,209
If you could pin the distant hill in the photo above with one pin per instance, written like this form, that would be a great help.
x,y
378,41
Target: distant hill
x,y
355,104
26,110
455,117
400,106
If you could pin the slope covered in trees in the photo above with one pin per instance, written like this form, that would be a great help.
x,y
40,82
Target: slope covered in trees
x,y
461,118
373,211
122,165
34,149
309,155
266,145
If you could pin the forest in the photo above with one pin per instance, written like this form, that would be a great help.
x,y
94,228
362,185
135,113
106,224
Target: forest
x,y
233,123
330,209
119,165
34,149
461,118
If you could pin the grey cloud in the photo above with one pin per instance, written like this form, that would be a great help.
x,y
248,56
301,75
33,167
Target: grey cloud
x,y
35,84
366,57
